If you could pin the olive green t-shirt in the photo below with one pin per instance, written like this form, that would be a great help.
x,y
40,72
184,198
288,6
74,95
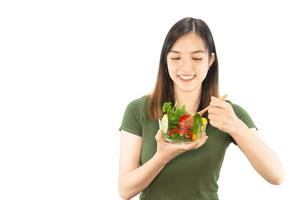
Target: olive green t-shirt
x,y
192,175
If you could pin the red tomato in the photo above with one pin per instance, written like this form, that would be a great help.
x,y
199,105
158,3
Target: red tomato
x,y
185,126
172,131
184,117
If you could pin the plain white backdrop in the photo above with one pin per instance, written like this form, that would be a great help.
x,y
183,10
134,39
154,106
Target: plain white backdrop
x,y
68,69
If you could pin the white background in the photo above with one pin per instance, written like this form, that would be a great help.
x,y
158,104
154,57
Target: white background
x,y
69,68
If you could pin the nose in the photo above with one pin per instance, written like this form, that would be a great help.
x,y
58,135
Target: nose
x,y
186,64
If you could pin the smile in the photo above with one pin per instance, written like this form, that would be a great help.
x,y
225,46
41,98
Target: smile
x,y
186,77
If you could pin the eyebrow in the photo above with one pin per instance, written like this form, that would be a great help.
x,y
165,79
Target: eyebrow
x,y
197,51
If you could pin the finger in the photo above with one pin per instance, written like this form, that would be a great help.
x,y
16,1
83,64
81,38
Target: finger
x,y
215,110
220,116
203,138
197,143
213,98
191,145
202,141
215,117
217,100
218,104
158,135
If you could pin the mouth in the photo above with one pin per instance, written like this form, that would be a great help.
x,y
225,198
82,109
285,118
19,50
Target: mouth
x,y
186,77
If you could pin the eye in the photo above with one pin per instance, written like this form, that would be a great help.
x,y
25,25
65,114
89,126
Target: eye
x,y
197,58
175,58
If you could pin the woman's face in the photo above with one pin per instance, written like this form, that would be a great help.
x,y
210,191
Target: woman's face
x,y
188,62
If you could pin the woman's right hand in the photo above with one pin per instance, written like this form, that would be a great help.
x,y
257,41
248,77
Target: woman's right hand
x,y
167,151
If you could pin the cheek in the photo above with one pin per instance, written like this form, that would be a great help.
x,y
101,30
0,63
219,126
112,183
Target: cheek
x,y
202,69
172,67
172,73
202,72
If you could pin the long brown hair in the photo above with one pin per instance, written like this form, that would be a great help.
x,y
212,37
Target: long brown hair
x,y
163,90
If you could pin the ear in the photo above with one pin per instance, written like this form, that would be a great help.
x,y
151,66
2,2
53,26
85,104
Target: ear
x,y
211,59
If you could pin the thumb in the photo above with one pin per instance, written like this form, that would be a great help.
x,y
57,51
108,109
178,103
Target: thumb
x,y
204,138
202,141
158,135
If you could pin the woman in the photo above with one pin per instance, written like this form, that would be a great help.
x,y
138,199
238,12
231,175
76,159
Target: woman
x,y
187,75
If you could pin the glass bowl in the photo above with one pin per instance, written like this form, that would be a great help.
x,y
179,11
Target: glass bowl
x,y
186,128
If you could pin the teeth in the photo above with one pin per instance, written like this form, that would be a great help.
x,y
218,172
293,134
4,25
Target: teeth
x,y
186,77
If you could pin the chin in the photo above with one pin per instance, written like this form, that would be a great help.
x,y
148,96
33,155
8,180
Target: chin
x,y
189,89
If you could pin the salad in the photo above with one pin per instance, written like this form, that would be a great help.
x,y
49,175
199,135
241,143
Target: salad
x,y
179,126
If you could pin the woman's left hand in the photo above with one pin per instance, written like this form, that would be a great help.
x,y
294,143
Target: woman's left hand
x,y
222,116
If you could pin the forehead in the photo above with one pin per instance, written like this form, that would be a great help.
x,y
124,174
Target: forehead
x,y
188,43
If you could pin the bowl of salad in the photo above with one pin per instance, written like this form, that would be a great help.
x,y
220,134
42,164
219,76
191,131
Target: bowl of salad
x,y
179,126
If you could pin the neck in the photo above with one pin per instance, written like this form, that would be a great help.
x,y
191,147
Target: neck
x,y
190,100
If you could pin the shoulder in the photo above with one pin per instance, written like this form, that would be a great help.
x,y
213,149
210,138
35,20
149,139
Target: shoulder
x,y
134,116
242,114
138,106
239,110
138,103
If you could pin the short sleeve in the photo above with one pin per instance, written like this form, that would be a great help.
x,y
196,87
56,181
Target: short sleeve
x,y
242,114
132,119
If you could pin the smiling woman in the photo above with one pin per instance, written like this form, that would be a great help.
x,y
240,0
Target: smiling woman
x,y
187,76
188,63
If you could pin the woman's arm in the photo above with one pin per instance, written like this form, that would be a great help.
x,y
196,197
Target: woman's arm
x,y
134,178
262,158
